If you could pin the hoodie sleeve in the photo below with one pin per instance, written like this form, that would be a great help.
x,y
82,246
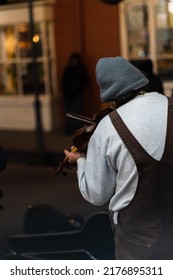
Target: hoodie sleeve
x,y
95,177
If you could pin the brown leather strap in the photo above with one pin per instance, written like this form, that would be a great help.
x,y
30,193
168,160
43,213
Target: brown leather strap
x,y
139,154
168,152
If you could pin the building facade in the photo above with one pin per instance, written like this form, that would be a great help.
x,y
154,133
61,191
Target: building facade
x,y
60,28
38,36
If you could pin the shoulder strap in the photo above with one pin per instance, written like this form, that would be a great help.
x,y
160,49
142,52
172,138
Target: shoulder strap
x,y
168,152
140,156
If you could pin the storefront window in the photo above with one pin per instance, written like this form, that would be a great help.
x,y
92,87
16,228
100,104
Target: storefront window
x,y
25,62
8,84
136,15
164,38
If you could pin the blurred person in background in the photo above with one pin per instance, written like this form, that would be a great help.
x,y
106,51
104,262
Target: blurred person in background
x,y
146,66
74,81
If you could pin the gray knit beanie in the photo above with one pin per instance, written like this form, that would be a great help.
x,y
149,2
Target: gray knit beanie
x,y
116,77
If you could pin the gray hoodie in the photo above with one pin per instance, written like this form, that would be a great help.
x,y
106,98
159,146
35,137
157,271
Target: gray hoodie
x,y
108,173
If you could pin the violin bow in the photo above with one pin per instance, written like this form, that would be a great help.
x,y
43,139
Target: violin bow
x,y
80,118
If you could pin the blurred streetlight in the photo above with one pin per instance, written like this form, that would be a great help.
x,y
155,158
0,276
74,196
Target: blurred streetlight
x,y
37,103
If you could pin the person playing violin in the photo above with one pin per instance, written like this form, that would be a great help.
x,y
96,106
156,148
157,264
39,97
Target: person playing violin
x,y
129,162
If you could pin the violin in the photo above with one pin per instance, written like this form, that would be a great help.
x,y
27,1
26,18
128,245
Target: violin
x,y
83,134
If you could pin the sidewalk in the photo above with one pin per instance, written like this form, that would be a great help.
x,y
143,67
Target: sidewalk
x,y
23,145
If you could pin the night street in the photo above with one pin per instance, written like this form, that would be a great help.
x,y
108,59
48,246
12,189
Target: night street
x,y
24,184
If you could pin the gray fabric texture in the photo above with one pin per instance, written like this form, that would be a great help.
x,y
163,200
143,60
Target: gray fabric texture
x,y
108,174
116,77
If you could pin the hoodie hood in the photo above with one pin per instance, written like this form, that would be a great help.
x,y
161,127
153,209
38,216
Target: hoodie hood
x,y
116,77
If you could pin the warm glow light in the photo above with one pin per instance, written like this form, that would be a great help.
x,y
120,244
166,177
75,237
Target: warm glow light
x,y
170,6
36,38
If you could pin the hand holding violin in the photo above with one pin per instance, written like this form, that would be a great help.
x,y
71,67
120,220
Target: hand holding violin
x,y
73,155
81,139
